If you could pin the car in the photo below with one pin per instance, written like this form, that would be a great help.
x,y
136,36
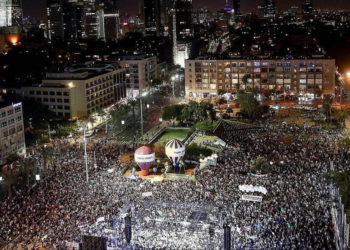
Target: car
x,y
284,107
276,107
310,109
89,133
298,106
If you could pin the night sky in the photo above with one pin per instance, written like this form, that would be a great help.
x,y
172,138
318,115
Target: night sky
x,y
36,8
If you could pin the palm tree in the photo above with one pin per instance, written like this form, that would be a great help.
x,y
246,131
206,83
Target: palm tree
x,y
327,106
27,168
10,179
47,153
133,103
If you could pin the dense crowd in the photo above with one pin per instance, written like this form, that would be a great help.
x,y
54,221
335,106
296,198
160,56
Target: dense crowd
x,y
294,214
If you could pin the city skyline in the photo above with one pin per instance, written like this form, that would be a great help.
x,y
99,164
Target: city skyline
x,y
37,8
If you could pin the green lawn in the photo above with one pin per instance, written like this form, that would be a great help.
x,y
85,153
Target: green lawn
x,y
169,134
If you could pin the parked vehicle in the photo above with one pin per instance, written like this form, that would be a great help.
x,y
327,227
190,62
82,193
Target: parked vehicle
x,y
298,106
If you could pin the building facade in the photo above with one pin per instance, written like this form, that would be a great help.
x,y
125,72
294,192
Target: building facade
x,y
12,139
205,78
151,16
236,6
79,92
269,8
140,71
184,20
55,22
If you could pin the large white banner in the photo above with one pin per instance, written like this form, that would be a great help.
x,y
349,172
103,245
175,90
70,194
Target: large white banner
x,y
147,194
252,198
251,188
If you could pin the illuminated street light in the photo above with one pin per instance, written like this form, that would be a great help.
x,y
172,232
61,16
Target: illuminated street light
x,y
37,177
123,122
348,74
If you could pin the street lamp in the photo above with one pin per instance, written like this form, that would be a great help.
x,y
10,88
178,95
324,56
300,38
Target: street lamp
x,y
37,177
86,156
173,82
348,74
123,122
30,122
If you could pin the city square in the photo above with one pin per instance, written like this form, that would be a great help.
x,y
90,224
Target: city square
x,y
174,124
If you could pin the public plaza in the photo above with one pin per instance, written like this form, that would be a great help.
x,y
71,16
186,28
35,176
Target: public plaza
x,y
292,207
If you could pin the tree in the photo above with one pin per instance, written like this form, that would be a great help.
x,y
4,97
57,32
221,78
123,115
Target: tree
x,y
11,158
245,79
10,179
206,125
133,103
126,159
229,111
47,153
27,168
342,181
248,105
339,116
194,151
262,166
344,143
217,100
327,107
173,112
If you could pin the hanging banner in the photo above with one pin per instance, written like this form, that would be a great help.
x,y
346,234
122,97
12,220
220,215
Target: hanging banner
x,y
252,198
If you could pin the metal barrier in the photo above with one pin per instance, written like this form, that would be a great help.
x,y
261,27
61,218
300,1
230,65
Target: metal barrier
x,y
341,228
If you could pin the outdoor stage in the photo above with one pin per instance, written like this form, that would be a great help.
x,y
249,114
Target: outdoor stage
x,y
160,177
159,224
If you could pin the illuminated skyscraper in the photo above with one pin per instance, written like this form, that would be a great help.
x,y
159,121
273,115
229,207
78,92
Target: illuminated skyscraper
x,y
10,13
269,8
55,22
151,16
5,13
184,21
308,7
236,6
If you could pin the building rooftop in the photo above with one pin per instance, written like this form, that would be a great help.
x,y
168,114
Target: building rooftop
x,y
81,72
134,57
4,103
239,57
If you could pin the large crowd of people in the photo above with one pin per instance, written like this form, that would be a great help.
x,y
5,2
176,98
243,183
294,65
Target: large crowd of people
x,y
295,213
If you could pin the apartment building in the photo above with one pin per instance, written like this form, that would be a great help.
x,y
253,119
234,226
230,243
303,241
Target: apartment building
x,y
140,71
205,77
11,130
80,91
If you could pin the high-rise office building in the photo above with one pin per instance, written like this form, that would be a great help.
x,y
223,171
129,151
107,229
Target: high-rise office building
x,y
236,6
12,139
73,19
184,21
111,19
269,8
308,7
165,14
109,6
55,24
66,19
11,13
151,16
5,14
